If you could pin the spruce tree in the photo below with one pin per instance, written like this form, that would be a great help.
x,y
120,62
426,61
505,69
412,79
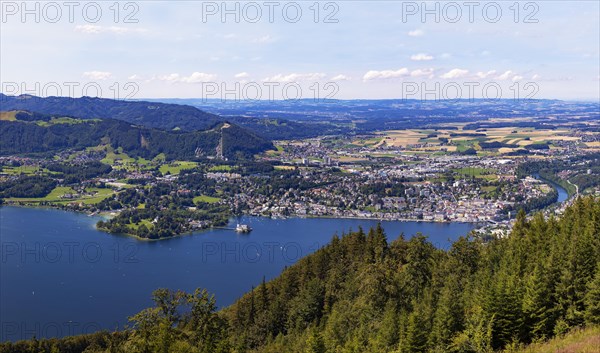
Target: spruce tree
x,y
592,300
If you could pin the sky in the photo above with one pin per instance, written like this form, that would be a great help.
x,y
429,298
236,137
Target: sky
x,y
302,49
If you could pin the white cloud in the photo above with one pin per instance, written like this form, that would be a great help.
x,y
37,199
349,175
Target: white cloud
x,y
340,78
196,77
241,75
517,78
421,57
135,77
446,55
484,75
170,78
264,39
294,77
385,74
506,75
416,33
97,75
536,77
90,29
422,73
94,29
455,73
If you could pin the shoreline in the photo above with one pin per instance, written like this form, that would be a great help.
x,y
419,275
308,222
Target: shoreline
x,y
104,214
108,215
387,220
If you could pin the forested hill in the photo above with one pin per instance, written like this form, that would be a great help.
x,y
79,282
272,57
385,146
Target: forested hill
x,y
34,133
363,294
165,116
151,114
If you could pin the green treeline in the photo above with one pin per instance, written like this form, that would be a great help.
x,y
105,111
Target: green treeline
x,y
27,186
363,294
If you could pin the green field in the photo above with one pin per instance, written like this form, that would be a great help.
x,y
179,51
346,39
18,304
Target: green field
x,y
482,173
176,167
116,156
100,195
146,222
207,199
56,196
63,120
220,168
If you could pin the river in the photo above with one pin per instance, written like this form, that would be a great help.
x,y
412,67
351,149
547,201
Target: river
x,y
60,276
563,195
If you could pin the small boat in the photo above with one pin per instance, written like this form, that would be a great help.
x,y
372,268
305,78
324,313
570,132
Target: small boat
x,y
243,228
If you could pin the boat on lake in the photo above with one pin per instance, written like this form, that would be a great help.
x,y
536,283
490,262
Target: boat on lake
x,y
243,228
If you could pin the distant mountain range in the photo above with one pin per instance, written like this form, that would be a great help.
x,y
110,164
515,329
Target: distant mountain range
x,y
37,125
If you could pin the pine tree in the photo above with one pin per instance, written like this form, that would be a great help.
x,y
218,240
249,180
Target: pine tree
x,y
505,306
477,335
388,334
592,300
449,316
538,304
416,332
315,342
420,261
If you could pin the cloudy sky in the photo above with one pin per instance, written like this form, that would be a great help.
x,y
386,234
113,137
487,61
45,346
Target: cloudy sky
x,y
338,49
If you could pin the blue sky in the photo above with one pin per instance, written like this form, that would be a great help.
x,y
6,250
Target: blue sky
x,y
356,49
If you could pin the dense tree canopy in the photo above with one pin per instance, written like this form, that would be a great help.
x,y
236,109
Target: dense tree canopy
x,y
24,137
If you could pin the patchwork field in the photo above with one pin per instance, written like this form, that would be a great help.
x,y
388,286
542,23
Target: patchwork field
x,y
402,138
509,139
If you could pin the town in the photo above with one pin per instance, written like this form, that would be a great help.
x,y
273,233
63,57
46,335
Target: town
x,y
443,175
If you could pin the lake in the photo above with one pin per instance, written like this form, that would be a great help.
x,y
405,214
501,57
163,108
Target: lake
x,y
60,276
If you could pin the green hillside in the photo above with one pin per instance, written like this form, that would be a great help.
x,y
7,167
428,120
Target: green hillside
x,y
578,341
35,133
150,114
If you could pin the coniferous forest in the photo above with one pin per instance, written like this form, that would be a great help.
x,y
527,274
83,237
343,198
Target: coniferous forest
x,y
363,294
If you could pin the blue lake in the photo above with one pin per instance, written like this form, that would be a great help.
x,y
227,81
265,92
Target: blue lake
x,y
60,276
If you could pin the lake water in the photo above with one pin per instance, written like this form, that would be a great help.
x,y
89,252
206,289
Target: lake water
x,y
60,276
